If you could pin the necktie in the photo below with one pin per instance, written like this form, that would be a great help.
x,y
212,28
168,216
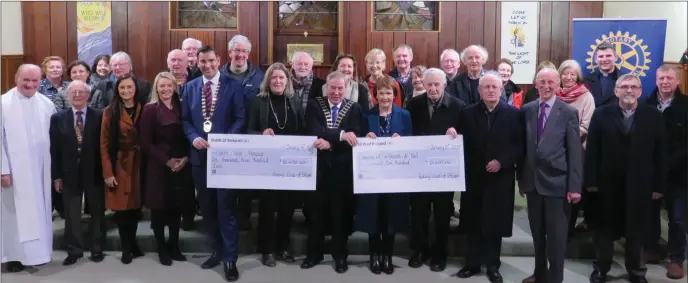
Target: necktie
x,y
335,112
79,128
541,120
208,93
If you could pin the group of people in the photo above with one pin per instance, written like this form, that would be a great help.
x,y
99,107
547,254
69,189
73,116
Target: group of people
x,y
571,143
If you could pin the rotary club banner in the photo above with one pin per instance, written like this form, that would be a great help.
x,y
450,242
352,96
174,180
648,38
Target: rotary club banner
x,y
93,30
520,38
639,45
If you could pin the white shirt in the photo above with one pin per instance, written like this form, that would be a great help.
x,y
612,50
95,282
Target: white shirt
x,y
550,104
339,108
215,81
83,114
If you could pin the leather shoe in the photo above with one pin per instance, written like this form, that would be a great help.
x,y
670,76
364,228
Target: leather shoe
x,y
136,250
231,272
285,256
212,262
164,257
97,257
438,264
340,266
71,259
375,266
529,279
268,260
387,265
494,276
468,272
176,254
637,279
310,262
417,259
675,271
597,277
15,266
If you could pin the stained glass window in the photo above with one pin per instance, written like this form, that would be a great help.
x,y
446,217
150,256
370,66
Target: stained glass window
x,y
406,15
207,14
307,15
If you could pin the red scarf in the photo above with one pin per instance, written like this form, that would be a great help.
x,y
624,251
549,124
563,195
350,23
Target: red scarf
x,y
571,94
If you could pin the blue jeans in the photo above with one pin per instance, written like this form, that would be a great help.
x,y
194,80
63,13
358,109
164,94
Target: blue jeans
x,y
676,207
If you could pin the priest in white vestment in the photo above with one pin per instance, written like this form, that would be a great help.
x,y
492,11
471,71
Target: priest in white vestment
x,y
27,233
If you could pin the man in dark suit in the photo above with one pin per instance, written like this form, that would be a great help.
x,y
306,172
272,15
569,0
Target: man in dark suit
x,y
625,163
75,152
213,104
466,84
306,84
432,113
337,124
493,143
191,46
550,174
601,81
403,56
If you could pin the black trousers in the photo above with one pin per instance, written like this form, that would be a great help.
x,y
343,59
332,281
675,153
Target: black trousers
x,y
244,207
56,201
74,236
548,218
442,206
589,206
170,217
127,224
604,242
275,215
483,250
338,203
381,242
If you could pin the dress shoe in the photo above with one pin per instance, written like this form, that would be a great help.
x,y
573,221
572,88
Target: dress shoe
x,y
231,272
310,262
438,264
268,260
468,272
637,279
597,277
97,256
136,250
417,259
188,225
387,265
164,257
175,254
675,271
494,276
375,265
15,266
529,279
127,257
285,256
71,259
340,266
213,261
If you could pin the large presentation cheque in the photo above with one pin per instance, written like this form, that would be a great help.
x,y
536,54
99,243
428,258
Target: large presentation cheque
x,y
409,164
262,162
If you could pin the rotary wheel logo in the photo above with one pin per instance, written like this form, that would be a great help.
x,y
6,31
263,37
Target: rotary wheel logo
x,y
632,54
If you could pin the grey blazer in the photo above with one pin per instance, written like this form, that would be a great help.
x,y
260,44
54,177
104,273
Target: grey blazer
x,y
554,166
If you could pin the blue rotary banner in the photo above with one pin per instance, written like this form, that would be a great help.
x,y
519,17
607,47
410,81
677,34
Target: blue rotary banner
x,y
639,45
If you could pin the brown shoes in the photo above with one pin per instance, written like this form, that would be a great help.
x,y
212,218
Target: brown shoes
x,y
675,271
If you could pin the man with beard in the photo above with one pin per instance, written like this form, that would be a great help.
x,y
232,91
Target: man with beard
x,y
492,133
306,84
337,124
667,98
403,56
191,46
625,158
601,81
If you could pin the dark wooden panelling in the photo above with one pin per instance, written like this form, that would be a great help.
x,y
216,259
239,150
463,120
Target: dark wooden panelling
x,y
447,34
72,38
491,32
58,30
8,68
545,36
36,31
560,32
120,28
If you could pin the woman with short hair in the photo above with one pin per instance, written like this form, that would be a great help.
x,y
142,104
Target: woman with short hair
x,y
78,71
53,80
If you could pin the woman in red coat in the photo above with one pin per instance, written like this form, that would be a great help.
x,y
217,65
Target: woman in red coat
x,y
169,186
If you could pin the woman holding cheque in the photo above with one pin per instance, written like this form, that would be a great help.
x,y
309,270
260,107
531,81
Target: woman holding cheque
x,y
276,111
383,215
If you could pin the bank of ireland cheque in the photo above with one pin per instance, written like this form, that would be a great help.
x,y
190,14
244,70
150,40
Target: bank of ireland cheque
x,y
409,164
262,162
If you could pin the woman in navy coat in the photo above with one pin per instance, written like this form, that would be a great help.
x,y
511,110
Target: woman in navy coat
x,y
384,215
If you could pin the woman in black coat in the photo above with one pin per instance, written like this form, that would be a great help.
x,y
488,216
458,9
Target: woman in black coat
x,y
383,215
276,111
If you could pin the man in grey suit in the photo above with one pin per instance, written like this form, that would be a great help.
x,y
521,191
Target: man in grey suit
x,y
550,175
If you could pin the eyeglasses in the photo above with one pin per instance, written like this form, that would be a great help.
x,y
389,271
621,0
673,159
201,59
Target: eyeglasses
x,y
631,87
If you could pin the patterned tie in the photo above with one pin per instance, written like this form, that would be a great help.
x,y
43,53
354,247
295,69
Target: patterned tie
x,y
335,112
541,120
208,93
79,128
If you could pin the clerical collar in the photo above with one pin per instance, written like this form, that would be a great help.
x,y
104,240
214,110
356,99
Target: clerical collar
x,y
214,80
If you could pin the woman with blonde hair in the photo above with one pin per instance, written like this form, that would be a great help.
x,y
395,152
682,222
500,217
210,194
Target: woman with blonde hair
x,y
375,65
169,186
417,80
53,77
354,91
276,111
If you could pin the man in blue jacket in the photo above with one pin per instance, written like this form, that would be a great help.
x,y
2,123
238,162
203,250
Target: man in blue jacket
x,y
213,104
249,77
